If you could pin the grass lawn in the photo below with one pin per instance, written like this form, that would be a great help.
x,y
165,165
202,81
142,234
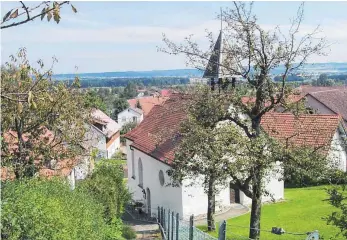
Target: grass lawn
x,y
302,211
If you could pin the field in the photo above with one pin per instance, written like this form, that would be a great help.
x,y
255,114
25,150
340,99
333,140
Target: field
x,y
302,211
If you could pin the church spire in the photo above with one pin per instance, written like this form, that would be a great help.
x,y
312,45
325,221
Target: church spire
x,y
213,69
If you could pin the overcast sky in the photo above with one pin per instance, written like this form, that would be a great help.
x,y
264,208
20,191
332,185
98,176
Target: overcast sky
x,y
123,36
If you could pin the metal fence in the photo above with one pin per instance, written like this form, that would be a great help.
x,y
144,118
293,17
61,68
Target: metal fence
x,y
174,228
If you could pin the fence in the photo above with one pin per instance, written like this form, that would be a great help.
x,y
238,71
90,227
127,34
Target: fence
x,y
174,228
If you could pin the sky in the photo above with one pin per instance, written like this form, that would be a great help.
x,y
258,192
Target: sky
x,y
124,36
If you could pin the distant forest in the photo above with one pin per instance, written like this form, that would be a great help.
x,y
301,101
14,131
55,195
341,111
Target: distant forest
x,y
122,82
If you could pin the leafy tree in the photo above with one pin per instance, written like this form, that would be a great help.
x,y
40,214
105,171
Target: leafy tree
x,y
195,158
138,105
252,52
119,104
24,14
129,91
48,209
127,128
92,100
337,198
31,104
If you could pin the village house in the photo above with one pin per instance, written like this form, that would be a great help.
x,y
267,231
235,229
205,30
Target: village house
x,y
131,114
148,161
109,128
328,101
134,114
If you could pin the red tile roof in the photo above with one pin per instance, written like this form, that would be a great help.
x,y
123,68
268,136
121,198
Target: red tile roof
x,y
311,130
304,89
335,99
147,103
164,120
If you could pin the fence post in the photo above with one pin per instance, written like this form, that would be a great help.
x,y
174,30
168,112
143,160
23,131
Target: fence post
x,y
159,215
164,222
177,225
222,230
162,218
168,225
172,224
191,225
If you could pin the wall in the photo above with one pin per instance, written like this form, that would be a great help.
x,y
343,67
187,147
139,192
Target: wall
x,y
128,114
195,198
337,153
165,196
113,145
317,106
272,185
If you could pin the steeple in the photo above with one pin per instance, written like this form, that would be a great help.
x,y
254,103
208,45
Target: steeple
x,y
214,69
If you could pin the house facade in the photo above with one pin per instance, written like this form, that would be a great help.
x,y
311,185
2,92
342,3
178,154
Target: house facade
x,y
130,114
109,128
148,162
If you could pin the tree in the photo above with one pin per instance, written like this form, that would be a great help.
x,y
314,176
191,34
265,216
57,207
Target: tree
x,y
92,100
24,14
252,52
41,120
194,158
127,128
337,198
129,91
322,79
138,105
119,104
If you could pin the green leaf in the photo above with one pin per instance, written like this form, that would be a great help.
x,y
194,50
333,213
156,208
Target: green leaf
x,y
7,15
49,16
43,12
73,9
14,14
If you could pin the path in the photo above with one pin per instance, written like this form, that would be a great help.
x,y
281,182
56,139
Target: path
x,y
235,210
143,229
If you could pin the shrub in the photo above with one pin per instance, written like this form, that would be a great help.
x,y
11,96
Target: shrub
x,y
48,209
107,186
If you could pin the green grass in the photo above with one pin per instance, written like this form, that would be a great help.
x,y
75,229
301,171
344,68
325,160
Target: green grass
x,y
302,211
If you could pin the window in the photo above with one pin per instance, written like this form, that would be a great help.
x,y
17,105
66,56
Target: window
x,y
132,164
140,173
124,119
161,178
134,119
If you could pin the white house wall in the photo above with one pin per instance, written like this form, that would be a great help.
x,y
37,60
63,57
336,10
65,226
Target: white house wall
x,y
127,115
163,196
195,198
337,153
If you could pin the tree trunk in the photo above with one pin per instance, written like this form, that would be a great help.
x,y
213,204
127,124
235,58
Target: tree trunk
x,y
254,231
211,198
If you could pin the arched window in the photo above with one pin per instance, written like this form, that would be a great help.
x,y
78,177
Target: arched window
x,y
140,173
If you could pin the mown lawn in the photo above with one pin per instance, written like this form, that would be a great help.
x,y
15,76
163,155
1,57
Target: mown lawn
x,y
301,212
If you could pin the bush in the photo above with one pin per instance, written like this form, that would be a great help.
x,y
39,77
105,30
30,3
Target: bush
x,y
48,209
333,176
107,186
